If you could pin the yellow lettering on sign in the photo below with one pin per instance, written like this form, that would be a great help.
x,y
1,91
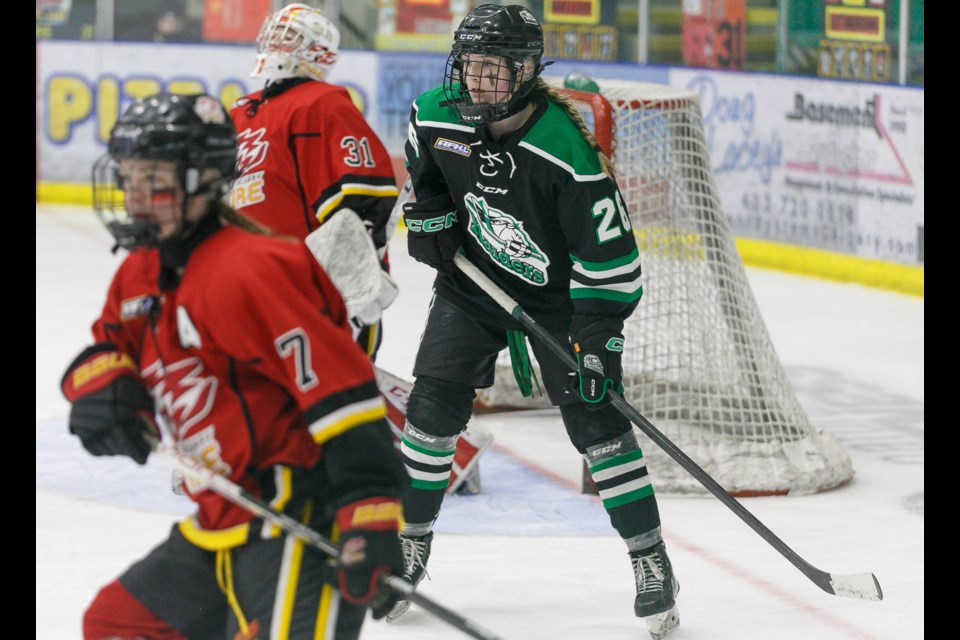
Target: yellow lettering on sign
x,y
108,106
185,86
137,88
231,92
69,103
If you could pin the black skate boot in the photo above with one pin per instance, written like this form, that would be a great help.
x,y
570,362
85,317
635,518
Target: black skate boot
x,y
416,552
656,590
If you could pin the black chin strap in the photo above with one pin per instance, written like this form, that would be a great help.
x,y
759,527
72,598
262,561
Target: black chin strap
x,y
175,251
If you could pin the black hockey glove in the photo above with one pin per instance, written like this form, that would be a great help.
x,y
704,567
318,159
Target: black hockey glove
x,y
599,349
369,548
433,235
112,409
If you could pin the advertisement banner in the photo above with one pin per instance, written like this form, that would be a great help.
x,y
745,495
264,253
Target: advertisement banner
x,y
713,33
83,87
417,25
572,11
234,20
828,165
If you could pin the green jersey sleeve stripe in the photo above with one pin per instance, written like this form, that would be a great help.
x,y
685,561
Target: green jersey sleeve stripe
x,y
617,266
563,165
587,293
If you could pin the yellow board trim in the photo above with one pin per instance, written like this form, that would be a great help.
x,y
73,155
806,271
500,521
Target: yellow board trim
x,y
827,265
817,263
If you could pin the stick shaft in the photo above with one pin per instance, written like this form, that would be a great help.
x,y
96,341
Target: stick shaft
x,y
864,586
236,494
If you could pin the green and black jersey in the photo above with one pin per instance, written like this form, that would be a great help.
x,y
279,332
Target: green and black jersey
x,y
542,219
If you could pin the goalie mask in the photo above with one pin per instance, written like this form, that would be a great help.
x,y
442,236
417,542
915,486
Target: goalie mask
x,y
166,152
494,63
296,42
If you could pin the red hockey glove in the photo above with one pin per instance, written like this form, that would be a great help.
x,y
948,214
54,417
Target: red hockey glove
x,y
370,547
433,234
599,348
112,409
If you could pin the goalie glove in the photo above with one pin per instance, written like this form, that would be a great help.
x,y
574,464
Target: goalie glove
x,y
111,408
369,312
599,349
369,548
433,234
344,249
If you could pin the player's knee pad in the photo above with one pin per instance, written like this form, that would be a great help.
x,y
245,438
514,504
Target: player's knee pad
x,y
440,408
587,427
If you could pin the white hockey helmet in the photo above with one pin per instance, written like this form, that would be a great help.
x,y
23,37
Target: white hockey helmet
x,y
296,42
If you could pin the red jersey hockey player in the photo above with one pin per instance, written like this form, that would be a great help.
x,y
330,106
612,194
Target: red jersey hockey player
x,y
308,158
240,343
312,167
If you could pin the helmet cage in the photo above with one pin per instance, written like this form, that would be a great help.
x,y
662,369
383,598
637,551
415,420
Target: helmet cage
x,y
509,33
194,132
296,42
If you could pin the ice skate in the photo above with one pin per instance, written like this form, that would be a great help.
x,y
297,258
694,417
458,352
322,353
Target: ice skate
x,y
416,552
657,589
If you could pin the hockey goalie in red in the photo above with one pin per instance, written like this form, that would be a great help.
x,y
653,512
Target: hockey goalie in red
x,y
234,347
308,159
311,166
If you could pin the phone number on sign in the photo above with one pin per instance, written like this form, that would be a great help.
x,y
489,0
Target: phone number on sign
x,y
825,210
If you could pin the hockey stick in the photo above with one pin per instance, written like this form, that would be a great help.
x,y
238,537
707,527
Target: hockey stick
x,y
236,494
861,585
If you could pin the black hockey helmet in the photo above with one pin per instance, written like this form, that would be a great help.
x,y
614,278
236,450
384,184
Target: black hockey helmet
x,y
510,32
192,131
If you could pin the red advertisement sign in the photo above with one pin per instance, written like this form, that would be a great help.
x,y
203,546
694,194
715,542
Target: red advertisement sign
x,y
424,16
234,20
712,33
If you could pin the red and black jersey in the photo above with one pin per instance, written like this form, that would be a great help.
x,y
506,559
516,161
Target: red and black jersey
x,y
305,152
253,367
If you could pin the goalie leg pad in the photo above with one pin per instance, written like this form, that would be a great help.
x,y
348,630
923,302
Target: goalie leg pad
x,y
465,474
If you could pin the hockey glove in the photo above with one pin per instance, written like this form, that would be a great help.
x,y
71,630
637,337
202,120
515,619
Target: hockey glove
x,y
111,408
370,547
599,349
433,234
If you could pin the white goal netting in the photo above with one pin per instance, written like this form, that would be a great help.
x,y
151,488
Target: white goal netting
x,y
698,362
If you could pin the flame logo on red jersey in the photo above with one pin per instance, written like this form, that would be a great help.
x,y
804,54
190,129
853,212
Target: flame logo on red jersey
x,y
251,149
184,393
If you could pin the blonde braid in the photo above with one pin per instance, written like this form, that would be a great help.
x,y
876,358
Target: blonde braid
x,y
567,105
229,215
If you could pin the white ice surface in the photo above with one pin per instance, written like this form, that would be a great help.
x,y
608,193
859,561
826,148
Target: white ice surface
x,y
532,558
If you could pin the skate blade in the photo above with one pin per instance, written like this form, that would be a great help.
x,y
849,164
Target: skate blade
x,y
398,611
663,624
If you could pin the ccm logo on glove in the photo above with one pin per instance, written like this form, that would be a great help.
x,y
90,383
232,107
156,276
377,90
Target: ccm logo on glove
x,y
432,225
434,234
599,348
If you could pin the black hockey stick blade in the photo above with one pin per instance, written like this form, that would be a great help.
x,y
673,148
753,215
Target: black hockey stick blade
x,y
236,494
863,586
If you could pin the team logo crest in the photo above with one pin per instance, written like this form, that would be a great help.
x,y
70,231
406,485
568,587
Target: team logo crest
x,y
505,240
251,149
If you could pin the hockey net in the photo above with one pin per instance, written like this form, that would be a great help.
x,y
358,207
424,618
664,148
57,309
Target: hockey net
x,y
698,361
